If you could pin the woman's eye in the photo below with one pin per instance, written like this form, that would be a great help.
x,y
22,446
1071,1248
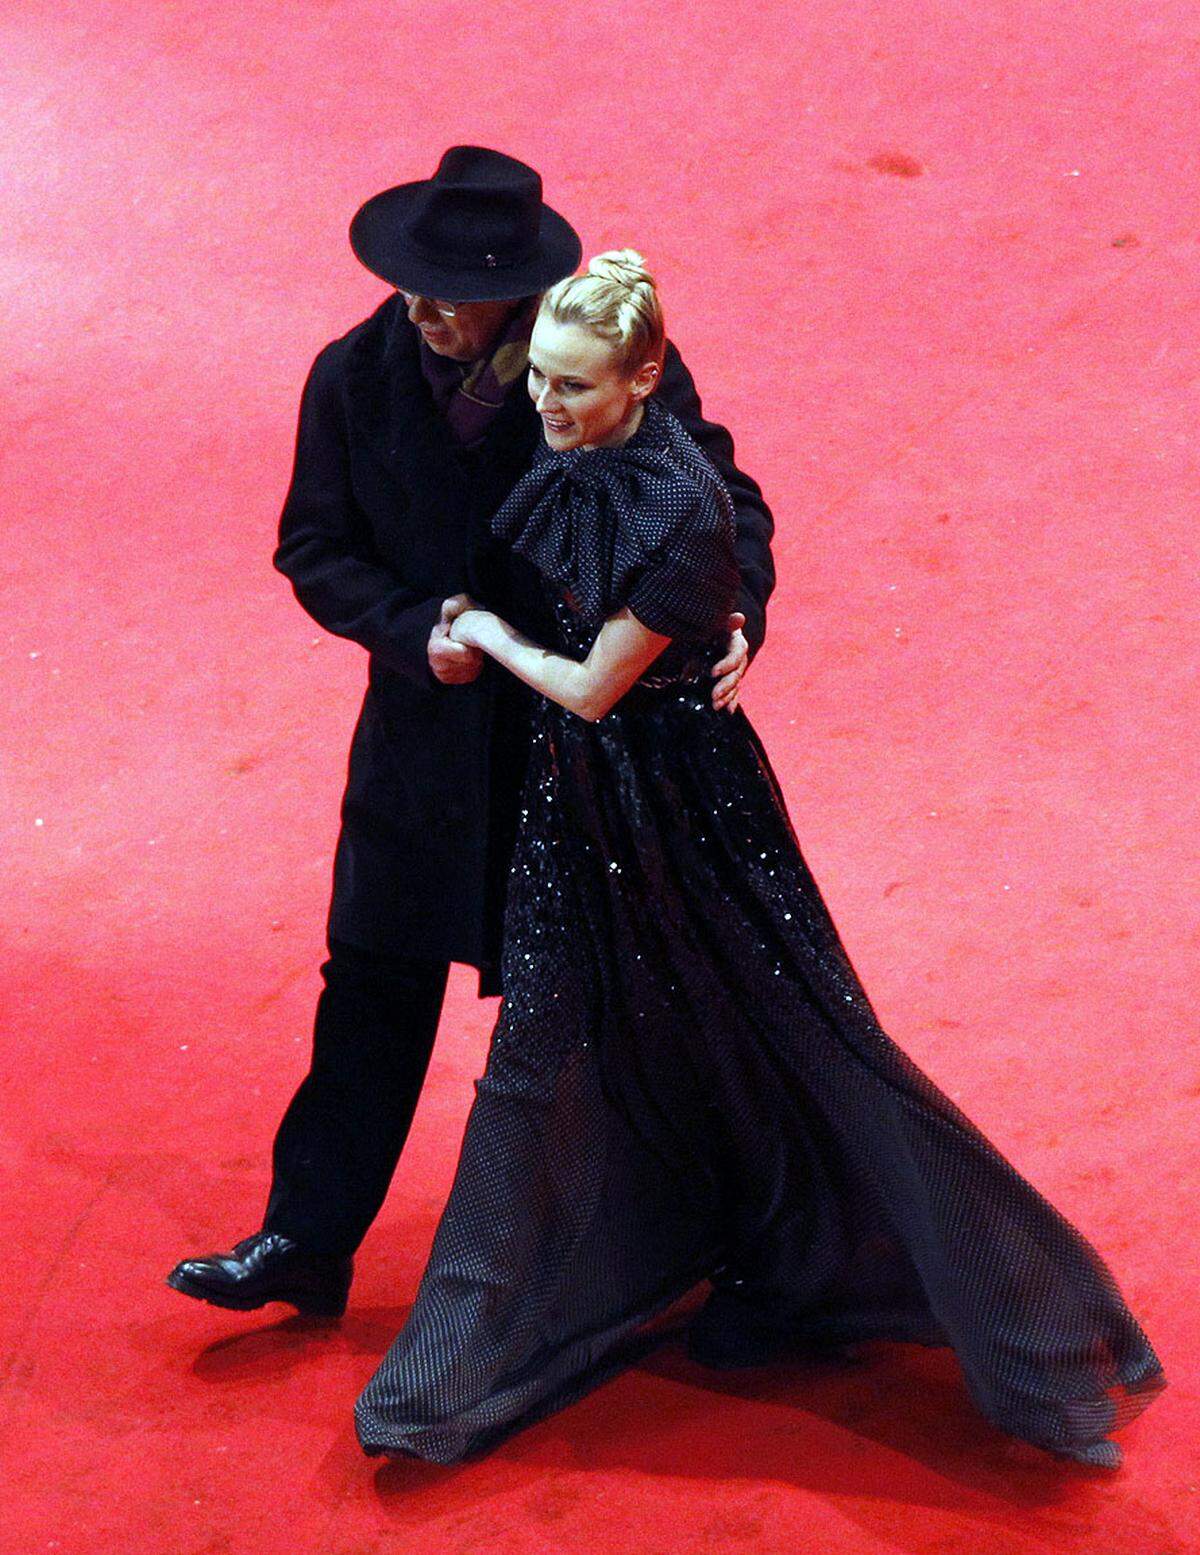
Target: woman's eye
x,y
533,373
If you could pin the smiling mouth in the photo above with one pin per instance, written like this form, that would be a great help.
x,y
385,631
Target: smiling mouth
x,y
557,426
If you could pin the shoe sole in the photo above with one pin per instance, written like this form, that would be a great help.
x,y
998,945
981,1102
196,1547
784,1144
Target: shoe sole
x,y
212,1298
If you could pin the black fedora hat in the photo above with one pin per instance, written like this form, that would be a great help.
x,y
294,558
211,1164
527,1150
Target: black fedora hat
x,y
477,231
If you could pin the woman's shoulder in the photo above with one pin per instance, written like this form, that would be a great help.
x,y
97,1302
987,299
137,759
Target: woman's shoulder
x,y
590,518
697,496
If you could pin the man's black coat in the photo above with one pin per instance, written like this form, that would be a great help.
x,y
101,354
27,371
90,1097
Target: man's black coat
x,y
385,517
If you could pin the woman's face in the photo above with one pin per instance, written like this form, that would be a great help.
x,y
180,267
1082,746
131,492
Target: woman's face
x,y
584,398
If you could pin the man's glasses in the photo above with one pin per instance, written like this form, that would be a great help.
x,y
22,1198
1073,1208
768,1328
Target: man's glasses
x,y
446,309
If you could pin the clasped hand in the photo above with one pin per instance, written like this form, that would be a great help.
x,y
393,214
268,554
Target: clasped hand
x,y
455,659
463,615
452,661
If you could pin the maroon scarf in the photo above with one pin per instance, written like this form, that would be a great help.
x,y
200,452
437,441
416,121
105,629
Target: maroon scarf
x,y
470,394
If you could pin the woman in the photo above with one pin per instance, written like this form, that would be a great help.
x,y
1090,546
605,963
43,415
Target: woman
x,y
686,1079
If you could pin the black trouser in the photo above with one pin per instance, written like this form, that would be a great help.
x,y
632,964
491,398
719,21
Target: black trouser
x,y
340,1138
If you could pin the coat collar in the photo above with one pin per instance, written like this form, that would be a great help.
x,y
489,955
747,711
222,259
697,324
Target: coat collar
x,y
390,406
392,409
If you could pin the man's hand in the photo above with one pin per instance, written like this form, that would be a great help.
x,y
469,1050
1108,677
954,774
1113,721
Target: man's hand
x,y
454,664
728,673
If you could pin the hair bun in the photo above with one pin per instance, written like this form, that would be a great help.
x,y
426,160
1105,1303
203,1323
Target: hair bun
x,y
625,266
617,300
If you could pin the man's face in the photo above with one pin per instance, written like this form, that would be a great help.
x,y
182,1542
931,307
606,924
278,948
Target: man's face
x,y
465,336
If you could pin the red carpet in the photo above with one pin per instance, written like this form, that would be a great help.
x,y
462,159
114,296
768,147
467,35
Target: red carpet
x,y
936,267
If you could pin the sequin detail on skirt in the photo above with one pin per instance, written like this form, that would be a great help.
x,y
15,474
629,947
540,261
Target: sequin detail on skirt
x,y
687,1078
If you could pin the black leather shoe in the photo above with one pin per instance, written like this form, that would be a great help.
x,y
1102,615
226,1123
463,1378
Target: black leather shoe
x,y
267,1267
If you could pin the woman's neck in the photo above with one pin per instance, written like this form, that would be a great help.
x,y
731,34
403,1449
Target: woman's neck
x,y
624,430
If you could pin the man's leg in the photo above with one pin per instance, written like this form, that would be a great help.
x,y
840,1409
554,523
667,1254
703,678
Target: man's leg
x,y
341,1137
339,1141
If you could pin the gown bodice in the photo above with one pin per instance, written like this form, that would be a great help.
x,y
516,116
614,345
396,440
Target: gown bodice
x,y
647,524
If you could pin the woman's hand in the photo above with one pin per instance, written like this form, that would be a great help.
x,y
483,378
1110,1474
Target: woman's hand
x,y
452,663
469,624
728,673
455,606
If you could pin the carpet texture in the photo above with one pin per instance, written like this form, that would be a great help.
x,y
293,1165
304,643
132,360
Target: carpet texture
x,y
936,266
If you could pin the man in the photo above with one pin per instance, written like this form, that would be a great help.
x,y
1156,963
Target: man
x,y
413,428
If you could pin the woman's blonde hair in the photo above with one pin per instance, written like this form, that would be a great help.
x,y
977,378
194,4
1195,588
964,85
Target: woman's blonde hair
x,y
616,299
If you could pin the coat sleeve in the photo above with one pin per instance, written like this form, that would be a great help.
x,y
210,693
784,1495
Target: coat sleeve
x,y
752,517
325,546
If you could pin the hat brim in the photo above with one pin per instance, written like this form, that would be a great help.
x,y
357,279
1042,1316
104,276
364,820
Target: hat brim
x,y
379,241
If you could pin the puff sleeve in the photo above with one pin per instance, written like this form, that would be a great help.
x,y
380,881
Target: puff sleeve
x,y
647,524
688,585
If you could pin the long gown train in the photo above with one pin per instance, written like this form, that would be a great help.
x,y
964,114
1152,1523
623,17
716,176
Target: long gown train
x,y
687,1080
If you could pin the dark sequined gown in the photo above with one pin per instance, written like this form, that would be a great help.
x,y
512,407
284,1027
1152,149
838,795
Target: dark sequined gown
x,y
686,1079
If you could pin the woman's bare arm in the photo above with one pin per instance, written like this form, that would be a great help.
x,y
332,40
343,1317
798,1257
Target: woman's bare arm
x,y
591,688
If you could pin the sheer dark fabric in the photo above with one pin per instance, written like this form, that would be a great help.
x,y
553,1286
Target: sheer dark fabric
x,y
687,1080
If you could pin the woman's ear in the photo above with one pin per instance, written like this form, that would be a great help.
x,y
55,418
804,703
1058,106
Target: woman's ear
x,y
645,380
